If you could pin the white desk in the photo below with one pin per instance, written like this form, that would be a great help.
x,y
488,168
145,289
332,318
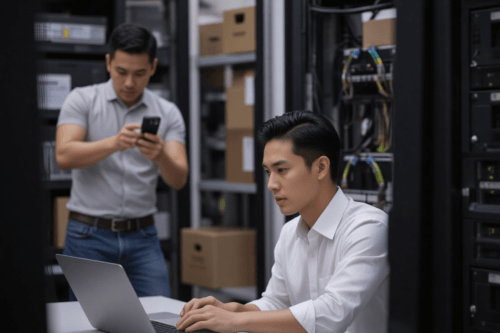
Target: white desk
x,y
66,317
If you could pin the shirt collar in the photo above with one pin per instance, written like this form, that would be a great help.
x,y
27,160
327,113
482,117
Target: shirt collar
x,y
329,220
110,91
111,95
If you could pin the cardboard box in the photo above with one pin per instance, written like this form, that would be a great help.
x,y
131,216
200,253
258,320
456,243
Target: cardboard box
x,y
379,32
218,257
61,215
210,39
240,156
240,100
239,30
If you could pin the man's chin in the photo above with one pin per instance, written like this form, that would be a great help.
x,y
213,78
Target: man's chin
x,y
287,211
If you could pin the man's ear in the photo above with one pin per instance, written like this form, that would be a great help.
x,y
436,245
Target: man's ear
x,y
154,65
323,167
108,63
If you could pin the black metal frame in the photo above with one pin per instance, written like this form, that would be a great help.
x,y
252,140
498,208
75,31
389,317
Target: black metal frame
x,y
182,100
295,51
259,150
22,238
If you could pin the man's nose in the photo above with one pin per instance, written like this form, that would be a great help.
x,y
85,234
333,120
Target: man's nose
x,y
129,82
272,184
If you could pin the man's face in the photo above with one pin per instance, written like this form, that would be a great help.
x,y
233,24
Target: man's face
x,y
294,186
130,74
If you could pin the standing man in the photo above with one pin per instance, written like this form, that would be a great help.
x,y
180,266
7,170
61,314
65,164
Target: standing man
x,y
115,170
331,270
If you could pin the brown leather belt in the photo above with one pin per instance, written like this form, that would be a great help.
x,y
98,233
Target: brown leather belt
x,y
114,224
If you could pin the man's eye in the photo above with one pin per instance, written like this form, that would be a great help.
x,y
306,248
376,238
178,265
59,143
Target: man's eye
x,y
122,73
139,74
281,170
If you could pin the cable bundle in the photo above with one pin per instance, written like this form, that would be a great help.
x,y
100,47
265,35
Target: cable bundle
x,y
380,71
353,161
377,172
347,84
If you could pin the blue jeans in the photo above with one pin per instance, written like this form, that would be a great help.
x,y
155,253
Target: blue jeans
x,y
139,253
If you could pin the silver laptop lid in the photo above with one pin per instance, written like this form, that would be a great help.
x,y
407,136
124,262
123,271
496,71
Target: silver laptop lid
x,y
106,295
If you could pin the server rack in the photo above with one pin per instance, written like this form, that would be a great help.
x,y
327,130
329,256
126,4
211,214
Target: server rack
x,y
480,150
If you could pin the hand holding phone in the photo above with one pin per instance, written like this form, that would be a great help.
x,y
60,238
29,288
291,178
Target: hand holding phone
x,y
150,124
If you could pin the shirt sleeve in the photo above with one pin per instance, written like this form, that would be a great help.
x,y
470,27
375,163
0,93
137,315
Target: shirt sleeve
x,y
362,269
275,297
176,130
75,109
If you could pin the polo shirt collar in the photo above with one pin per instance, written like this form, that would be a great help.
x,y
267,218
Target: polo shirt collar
x,y
111,95
329,220
110,91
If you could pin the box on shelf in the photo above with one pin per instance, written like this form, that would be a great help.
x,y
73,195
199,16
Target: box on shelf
x,y
379,32
218,257
381,29
239,30
240,156
210,39
61,215
240,100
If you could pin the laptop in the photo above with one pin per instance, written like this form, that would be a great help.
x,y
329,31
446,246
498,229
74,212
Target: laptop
x,y
109,300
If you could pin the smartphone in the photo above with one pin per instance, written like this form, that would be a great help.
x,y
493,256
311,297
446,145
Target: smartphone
x,y
150,124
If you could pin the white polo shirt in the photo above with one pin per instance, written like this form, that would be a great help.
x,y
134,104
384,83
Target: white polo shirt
x,y
123,185
335,276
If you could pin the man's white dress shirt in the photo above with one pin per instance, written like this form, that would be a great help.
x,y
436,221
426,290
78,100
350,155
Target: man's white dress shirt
x,y
335,276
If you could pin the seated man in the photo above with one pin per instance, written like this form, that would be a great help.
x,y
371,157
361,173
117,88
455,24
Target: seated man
x,y
331,271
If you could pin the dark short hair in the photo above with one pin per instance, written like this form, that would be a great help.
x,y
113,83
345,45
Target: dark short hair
x,y
133,39
312,136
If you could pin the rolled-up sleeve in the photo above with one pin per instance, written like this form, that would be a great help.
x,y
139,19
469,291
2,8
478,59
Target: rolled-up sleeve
x,y
364,266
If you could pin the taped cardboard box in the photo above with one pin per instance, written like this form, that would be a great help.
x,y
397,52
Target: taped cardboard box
x,y
240,100
239,30
218,257
240,156
379,32
210,39
61,216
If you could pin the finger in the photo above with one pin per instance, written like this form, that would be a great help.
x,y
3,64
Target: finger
x,y
132,126
151,137
191,319
131,134
143,142
197,326
188,306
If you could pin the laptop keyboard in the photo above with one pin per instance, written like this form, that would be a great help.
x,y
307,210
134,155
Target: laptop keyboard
x,y
163,328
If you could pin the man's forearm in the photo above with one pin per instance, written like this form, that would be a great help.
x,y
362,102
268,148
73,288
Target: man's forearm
x,y
279,321
173,172
78,154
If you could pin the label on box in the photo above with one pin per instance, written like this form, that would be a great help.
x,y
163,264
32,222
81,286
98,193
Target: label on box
x,y
53,90
248,158
249,91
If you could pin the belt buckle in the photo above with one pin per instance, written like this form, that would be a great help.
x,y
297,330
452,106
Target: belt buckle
x,y
113,228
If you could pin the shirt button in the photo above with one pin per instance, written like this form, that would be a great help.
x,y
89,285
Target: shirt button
x,y
312,255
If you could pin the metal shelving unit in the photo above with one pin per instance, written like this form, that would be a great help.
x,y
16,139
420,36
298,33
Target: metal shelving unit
x,y
227,59
224,186
198,184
